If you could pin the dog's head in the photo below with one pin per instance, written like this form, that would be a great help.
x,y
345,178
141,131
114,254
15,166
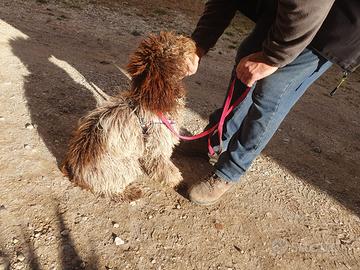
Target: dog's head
x,y
156,68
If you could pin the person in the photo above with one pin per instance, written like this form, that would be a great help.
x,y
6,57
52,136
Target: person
x,y
292,44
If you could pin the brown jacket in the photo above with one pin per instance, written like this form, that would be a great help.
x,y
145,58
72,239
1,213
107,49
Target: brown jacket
x,y
294,25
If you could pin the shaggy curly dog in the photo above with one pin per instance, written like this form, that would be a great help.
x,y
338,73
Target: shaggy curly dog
x,y
123,139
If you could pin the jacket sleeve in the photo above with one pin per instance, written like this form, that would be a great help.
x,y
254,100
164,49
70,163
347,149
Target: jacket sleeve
x,y
216,17
295,25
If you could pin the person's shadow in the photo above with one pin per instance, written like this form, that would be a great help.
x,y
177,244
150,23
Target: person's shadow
x,y
58,88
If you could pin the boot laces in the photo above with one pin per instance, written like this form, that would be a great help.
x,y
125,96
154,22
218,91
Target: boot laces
x,y
213,180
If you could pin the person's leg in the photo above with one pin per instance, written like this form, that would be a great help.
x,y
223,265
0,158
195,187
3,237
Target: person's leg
x,y
254,122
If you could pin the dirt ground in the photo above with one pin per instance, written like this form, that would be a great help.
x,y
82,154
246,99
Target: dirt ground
x,y
298,207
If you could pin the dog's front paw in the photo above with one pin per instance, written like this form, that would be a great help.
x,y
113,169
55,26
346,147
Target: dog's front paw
x,y
175,178
171,176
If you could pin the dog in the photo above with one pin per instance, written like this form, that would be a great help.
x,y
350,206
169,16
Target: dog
x,y
123,139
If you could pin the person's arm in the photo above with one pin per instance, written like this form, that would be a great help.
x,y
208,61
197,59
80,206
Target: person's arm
x,y
295,25
213,22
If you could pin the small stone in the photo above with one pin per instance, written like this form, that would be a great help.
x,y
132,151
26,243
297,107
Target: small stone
x,y
105,62
116,225
286,140
77,220
29,126
118,241
37,235
2,118
136,33
317,149
15,240
20,257
133,203
2,207
26,146
64,233
153,261
219,226
150,217
178,206
19,266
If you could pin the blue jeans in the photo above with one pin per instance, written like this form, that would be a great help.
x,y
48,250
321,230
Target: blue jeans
x,y
252,124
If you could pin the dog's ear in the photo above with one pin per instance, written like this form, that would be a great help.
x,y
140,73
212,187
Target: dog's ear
x,y
156,69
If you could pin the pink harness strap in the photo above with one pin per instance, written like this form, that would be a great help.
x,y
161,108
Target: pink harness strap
x,y
227,109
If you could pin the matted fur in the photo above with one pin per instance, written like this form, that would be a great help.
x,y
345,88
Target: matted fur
x,y
109,150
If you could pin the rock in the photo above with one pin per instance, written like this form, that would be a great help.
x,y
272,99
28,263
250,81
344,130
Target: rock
x,y
136,33
29,126
178,206
26,146
20,257
116,225
15,240
317,149
118,241
77,219
18,266
219,226
105,62
286,140
2,118
150,217
133,203
2,207
64,233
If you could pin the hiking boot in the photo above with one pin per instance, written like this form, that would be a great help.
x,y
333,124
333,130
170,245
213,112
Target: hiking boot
x,y
209,191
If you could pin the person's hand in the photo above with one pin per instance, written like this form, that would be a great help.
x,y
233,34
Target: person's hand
x,y
253,68
192,64
193,60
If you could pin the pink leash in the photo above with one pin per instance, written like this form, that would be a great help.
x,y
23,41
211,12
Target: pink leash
x,y
227,109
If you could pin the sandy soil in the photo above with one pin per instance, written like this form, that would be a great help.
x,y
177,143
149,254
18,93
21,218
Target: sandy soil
x,y
298,207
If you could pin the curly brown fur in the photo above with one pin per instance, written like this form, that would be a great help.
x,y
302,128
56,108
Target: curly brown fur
x,y
108,150
157,68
